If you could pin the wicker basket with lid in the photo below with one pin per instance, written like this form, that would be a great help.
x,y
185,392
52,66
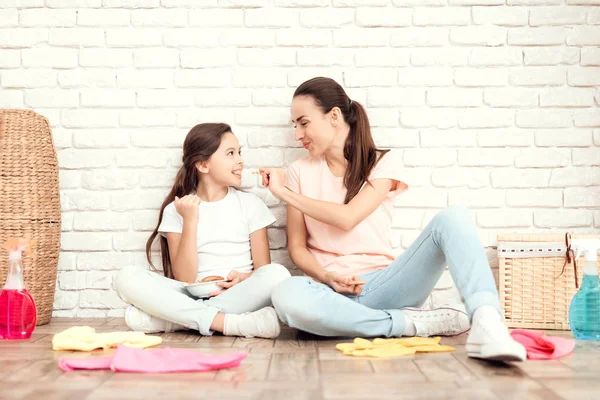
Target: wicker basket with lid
x,y
29,201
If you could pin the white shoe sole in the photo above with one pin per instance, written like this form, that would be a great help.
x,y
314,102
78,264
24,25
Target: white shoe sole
x,y
135,328
497,352
457,333
128,318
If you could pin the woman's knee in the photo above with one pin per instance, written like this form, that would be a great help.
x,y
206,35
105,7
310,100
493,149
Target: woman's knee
x,y
455,215
291,298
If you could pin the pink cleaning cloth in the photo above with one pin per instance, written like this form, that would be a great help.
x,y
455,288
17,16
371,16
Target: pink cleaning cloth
x,y
70,364
542,347
129,359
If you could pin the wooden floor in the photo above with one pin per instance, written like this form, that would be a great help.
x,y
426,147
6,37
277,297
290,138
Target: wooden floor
x,y
293,367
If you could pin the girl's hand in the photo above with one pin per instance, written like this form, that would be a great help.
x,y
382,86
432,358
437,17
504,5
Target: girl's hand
x,y
273,178
342,285
187,206
233,279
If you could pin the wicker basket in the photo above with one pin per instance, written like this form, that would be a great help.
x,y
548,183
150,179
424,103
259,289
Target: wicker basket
x,y
29,201
535,291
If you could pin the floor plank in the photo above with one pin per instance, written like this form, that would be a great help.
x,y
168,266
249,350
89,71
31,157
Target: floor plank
x,y
216,341
383,386
254,368
405,369
248,343
295,366
443,367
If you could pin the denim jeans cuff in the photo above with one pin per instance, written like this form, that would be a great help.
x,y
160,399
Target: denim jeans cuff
x,y
398,323
206,320
479,299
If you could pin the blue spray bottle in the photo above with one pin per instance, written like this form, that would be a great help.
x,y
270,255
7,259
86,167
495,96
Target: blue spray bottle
x,y
584,312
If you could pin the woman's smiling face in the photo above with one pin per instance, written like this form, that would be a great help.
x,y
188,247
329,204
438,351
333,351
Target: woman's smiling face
x,y
314,129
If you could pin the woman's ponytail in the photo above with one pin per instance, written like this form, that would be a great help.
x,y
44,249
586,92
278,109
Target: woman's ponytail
x,y
359,149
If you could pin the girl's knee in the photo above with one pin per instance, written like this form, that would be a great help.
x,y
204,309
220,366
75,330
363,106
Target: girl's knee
x,y
126,280
276,273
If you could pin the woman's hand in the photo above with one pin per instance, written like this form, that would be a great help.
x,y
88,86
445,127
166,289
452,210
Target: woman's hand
x,y
233,279
342,285
187,207
274,179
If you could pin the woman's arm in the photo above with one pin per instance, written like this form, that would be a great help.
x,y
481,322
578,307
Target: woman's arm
x,y
343,216
307,263
302,258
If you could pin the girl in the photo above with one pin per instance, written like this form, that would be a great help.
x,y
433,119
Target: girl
x,y
207,228
339,219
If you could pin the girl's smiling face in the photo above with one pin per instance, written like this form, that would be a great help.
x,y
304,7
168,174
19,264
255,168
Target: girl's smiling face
x,y
225,166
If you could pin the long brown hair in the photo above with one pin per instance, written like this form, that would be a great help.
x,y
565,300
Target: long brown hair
x,y
359,149
201,142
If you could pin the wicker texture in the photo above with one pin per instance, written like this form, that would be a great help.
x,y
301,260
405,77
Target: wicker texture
x,y
531,295
29,201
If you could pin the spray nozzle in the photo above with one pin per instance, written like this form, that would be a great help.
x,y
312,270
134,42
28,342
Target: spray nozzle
x,y
586,247
18,245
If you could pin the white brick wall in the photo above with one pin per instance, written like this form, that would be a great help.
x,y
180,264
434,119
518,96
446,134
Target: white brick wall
x,y
495,104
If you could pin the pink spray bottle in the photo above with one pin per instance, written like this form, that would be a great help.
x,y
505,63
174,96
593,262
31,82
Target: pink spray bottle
x,y
18,314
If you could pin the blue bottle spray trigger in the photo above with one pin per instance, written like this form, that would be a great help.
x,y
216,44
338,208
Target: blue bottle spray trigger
x,y
584,312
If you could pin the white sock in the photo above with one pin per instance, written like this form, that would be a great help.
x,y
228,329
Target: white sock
x,y
486,312
409,329
262,323
229,326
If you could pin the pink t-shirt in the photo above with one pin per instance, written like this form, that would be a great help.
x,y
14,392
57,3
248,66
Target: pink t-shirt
x,y
368,246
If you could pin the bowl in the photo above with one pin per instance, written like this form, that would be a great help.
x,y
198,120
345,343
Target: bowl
x,y
203,289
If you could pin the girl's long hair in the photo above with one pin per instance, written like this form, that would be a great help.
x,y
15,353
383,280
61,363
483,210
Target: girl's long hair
x,y
201,142
359,149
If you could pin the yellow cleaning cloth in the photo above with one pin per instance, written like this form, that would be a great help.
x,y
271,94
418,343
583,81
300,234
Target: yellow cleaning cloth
x,y
85,338
392,347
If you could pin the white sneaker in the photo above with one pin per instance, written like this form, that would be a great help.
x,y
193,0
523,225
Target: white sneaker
x,y
262,323
139,321
489,339
442,321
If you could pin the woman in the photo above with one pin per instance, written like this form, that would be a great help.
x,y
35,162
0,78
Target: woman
x,y
340,201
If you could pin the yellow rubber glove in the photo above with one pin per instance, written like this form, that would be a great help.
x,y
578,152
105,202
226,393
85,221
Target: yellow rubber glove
x,y
382,348
85,338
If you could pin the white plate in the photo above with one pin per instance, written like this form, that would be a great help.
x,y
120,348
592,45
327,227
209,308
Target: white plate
x,y
202,290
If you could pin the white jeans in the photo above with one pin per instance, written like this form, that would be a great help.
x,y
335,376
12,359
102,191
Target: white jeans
x,y
168,299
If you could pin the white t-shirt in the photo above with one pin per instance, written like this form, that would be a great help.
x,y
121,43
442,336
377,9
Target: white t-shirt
x,y
224,229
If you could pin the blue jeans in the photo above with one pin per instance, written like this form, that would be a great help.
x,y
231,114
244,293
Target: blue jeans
x,y
449,239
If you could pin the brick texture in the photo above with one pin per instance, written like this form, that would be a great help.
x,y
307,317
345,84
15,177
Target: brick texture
x,y
495,105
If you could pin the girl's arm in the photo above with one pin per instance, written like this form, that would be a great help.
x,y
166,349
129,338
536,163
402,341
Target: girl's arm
x,y
187,264
183,250
184,253
259,248
261,256
343,216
